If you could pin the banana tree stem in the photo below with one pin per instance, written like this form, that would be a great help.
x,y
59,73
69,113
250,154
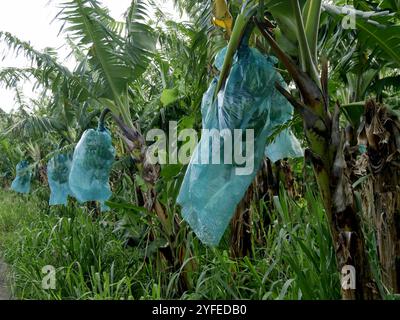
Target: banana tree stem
x,y
102,119
312,16
305,52
237,34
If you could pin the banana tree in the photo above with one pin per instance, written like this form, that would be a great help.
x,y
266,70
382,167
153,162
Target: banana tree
x,y
118,57
372,70
291,28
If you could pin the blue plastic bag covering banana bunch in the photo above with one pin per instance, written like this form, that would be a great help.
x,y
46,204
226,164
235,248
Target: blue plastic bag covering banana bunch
x,y
210,192
22,182
58,170
91,166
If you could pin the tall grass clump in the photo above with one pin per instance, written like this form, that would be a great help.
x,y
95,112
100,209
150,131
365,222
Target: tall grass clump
x,y
297,260
90,260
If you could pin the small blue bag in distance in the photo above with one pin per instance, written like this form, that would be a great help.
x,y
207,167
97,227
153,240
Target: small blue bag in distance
x,y
58,170
22,182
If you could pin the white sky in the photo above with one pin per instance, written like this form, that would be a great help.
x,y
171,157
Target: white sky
x,y
31,20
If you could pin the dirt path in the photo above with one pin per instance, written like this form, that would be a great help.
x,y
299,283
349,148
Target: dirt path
x,y
4,292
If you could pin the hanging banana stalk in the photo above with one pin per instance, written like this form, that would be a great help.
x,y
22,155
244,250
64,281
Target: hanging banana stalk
x,y
241,23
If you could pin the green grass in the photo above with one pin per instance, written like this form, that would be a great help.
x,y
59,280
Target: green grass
x,y
90,260
294,261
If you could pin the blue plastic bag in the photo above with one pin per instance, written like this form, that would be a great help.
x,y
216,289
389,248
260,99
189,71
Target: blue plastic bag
x,y
104,207
22,182
91,166
58,170
285,145
210,192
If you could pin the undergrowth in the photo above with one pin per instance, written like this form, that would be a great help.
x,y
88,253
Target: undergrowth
x,y
292,256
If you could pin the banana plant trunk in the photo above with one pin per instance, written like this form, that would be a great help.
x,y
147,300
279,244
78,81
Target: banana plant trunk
x,y
327,153
263,187
380,132
244,230
174,253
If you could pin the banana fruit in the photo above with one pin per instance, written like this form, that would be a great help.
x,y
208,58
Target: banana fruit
x,y
222,17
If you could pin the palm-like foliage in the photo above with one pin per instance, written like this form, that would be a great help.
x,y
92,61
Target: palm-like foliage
x,y
116,61
376,30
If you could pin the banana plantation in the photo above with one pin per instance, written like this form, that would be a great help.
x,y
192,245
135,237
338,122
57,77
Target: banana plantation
x,y
226,150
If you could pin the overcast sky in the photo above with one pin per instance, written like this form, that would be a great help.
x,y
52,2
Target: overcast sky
x,y
31,20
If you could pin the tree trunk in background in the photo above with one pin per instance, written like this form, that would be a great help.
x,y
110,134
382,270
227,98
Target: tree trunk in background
x,y
174,253
286,177
241,226
264,187
380,131
42,170
346,228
